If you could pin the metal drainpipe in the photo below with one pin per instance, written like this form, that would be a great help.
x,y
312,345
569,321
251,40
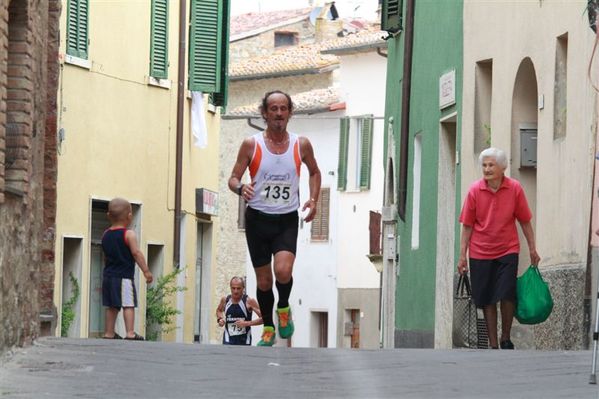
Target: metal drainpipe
x,y
405,109
179,144
252,125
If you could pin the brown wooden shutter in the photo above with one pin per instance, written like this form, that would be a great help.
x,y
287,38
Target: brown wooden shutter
x,y
375,233
320,225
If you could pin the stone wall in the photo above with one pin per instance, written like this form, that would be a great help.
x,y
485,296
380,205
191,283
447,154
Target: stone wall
x,y
28,86
565,328
251,91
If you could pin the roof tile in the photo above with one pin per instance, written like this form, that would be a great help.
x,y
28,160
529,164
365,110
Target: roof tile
x,y
361,38
251,21
285,61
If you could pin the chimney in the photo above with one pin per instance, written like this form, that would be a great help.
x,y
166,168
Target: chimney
x,y
328,25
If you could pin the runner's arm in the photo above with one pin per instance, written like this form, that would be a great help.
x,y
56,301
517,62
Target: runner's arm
x,y
256,308
220,312
244,157
314,180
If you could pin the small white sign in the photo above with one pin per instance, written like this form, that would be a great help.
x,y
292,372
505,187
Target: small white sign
x,y
447,89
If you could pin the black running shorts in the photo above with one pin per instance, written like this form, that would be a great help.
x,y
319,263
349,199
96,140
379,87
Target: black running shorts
x,y
268,234
494,280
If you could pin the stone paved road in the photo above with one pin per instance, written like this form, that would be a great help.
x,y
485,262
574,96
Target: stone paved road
x,y
95,368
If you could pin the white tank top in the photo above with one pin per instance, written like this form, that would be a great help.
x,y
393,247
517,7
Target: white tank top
x,y
275,177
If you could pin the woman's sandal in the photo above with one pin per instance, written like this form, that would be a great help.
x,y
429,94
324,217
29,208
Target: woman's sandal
x,y
116,336
136,337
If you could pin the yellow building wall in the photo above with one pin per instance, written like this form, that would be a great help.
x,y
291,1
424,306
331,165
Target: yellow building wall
x,y
119,140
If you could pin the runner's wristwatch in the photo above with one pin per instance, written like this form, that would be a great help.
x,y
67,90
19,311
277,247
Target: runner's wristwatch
x,y
239,188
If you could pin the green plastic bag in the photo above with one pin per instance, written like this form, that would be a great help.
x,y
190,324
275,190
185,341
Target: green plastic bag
x,y
534,299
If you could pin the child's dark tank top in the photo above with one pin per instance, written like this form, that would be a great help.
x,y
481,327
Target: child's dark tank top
x,y
119,261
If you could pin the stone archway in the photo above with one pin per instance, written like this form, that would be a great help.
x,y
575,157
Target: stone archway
x,y
523,126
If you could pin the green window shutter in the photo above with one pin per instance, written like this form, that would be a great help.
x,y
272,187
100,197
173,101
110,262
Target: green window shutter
x,y
220,97
77,28
391,15
205,45
365,153
159,40
343,150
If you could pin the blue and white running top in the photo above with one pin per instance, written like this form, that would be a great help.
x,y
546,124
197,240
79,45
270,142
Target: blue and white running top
x,y
234,335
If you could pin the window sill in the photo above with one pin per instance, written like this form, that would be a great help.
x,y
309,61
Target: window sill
x,y
162,83
354,190
210,107
79,62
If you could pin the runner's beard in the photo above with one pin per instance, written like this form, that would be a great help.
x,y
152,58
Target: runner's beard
x,y
280,125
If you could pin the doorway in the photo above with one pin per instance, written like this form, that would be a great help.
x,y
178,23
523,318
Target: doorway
x,y
99,223
355,331
156,266
202,310
524,121
72,248
320,330
446,232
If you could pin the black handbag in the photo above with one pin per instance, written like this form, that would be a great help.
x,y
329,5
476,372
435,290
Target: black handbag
x,y
469,327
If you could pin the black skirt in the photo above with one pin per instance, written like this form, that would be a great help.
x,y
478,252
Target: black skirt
x,y
494,280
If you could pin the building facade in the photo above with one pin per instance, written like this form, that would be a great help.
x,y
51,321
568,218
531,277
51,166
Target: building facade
x,y
28,88
130,125
469,89
423,124
533,99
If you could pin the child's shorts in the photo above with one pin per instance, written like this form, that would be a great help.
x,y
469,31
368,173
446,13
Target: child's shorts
x,y
118,293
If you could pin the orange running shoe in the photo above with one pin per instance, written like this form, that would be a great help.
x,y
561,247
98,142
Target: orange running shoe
x,y
268,337
286,326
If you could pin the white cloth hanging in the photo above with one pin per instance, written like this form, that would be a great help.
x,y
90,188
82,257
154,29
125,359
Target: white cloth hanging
x,y
198,120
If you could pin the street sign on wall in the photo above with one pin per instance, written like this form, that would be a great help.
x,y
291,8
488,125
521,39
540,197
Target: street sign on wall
x,y
206,201
447,89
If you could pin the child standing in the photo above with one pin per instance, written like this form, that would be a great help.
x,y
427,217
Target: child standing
x,y
121,252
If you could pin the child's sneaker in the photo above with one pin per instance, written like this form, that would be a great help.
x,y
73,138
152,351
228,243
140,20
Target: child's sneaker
x,y
268,337
286,327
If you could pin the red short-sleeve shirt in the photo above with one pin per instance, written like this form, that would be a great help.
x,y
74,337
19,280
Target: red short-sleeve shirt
x,y
492,216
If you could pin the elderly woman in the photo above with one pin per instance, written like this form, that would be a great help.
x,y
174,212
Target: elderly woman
x,y
490,239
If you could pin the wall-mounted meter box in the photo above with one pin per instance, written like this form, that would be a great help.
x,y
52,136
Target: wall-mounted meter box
x,y
528,146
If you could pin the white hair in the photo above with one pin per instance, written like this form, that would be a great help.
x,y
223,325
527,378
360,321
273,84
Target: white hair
x,y
496,153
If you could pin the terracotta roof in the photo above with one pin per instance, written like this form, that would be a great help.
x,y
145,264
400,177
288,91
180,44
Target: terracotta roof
x,y
304,59
365,39
254,23
309,102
